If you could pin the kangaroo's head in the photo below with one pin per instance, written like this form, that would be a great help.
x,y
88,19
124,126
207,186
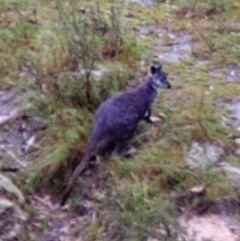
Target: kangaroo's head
x,y
159,78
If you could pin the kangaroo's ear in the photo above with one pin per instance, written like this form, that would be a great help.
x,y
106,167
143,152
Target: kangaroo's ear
x,y
153,69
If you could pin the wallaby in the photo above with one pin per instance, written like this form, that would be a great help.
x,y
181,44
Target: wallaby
x,y
117,119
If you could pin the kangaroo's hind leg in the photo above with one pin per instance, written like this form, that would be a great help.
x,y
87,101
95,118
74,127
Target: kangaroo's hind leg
x,y
122,148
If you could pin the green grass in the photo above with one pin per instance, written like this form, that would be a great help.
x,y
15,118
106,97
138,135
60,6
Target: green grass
x,y
53,42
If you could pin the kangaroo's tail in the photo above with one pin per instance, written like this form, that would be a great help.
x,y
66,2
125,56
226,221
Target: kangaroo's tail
x,y
79,170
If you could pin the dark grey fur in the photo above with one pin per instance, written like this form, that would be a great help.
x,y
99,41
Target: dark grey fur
x,y
117,119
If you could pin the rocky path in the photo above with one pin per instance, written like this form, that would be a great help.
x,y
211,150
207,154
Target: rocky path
x,y
19,137
209,226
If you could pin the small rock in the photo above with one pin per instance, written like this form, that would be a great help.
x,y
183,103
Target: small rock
x,y
161,114
201,155
206,227
233,76
213,152
237,152
65,229
197,190
233,173
171,36
211,87
237,141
